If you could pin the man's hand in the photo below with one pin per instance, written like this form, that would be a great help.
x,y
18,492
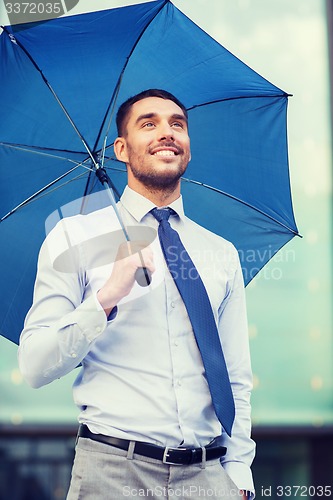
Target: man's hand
x,y
130,256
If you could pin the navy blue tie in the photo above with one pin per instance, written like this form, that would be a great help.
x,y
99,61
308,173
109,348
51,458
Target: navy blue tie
x,y
199,309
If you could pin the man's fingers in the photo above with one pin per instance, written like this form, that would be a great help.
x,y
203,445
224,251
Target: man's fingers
x,y
148,263
138,252
129,248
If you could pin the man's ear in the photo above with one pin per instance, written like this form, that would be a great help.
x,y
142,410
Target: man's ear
x,y
120,149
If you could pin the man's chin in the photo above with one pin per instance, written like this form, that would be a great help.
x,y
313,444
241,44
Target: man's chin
x,y
161,183
163,175
158,181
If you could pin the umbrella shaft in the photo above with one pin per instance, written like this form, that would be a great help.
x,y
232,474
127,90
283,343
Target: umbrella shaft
x,y
114,206
142,275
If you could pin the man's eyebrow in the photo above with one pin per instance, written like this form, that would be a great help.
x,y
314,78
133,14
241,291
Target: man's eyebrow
x,y
147,116
179,117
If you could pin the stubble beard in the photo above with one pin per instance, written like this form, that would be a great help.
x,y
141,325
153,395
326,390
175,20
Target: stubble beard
x,y
154,180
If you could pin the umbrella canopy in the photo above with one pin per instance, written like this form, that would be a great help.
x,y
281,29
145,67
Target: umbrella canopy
x,y
61,82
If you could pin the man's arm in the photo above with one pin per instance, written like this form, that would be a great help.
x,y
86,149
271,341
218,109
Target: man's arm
x,y
233,330
67,316
61,324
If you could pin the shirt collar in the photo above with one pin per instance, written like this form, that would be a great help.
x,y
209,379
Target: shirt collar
x,y
139,206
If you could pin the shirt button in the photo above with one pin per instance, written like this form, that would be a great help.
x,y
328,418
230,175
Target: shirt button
x,y
173,304
98,329
179,383
176,343
74,355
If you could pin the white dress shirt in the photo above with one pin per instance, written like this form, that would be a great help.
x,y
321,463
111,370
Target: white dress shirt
x,y
142,376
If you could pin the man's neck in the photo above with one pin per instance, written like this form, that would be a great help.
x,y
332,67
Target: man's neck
x,y
160,198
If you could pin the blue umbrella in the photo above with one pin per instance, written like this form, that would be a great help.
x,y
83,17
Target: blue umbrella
x,y
61,82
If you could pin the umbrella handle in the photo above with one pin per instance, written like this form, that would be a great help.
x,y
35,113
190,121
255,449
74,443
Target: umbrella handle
x,y
143,276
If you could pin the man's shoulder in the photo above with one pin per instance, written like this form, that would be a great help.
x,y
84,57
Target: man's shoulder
x,y
75,229
76,239
92,221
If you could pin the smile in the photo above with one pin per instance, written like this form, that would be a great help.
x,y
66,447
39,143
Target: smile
x,y
165,152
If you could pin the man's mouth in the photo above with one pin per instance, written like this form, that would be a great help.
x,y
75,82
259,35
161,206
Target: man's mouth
x,y
165,153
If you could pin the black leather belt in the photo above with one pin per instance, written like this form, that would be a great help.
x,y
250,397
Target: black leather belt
x,y
168,455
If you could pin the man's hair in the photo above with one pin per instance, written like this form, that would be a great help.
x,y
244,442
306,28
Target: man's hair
x,y
124,109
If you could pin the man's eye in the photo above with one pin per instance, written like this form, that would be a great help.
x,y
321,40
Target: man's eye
x,y
178,124
148,124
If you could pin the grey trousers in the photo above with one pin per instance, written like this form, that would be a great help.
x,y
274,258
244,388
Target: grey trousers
x,y
102,472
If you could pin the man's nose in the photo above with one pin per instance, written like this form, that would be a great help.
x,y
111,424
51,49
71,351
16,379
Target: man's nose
x,y
165,131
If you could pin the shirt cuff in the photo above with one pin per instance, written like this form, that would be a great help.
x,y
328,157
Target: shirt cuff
x,y
241,475
90,318
112,315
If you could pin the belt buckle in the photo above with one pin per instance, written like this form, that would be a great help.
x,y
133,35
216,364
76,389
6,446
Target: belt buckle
x,y
166,454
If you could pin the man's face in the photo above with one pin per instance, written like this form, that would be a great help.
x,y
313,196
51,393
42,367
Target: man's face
x,y
156,145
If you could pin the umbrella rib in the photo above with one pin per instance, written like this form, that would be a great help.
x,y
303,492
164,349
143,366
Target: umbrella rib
x,y
37,193
26,149
39,148
42,194
283,94
243,202
117,87
49,86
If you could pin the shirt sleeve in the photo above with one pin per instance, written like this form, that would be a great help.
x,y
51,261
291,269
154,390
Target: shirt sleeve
x,y
64,320
233,330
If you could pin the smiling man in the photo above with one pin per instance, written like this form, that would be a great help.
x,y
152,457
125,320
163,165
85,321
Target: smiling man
x,y
154,164
164,388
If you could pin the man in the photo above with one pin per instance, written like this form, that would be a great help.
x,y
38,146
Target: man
x,y
145,390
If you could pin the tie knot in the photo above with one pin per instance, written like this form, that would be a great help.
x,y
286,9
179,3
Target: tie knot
x,y
162,213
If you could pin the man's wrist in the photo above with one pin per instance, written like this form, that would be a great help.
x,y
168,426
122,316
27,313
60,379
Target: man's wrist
x,y
108,303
